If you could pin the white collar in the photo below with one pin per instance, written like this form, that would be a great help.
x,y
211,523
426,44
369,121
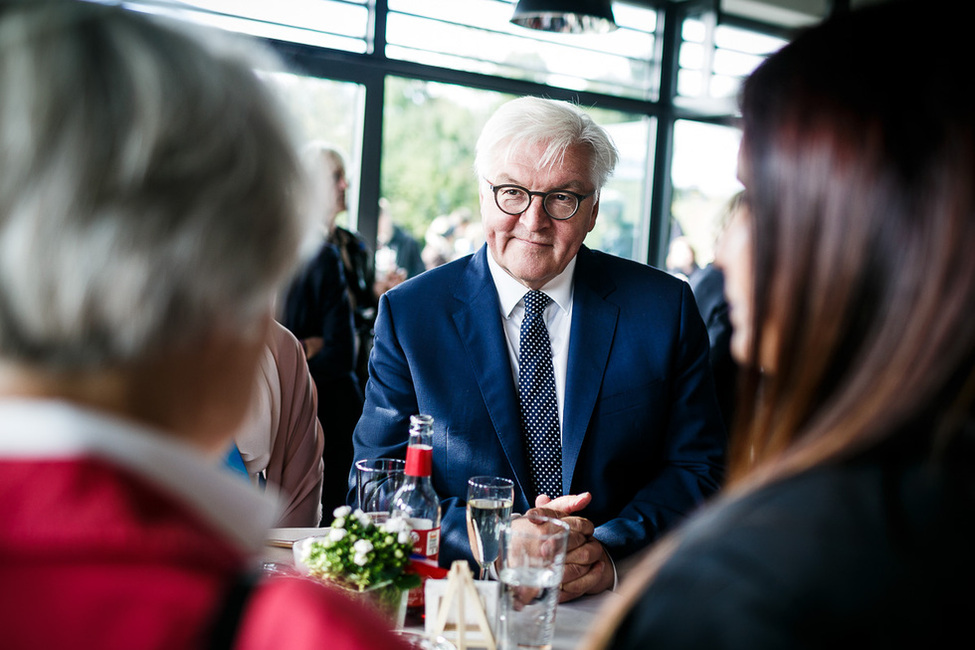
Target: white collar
x,y
49,429
510,291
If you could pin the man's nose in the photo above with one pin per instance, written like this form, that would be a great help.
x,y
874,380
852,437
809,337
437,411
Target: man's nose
x,y
534,216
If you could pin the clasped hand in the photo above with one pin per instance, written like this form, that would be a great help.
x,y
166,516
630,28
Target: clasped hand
x,y
588,569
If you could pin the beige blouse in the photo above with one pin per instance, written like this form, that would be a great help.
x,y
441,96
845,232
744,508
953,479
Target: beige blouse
x,y
281,437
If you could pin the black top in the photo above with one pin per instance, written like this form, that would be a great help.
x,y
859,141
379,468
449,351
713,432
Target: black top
x,y
874,553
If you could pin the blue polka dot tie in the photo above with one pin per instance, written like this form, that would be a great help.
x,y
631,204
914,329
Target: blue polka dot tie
x,y
536,396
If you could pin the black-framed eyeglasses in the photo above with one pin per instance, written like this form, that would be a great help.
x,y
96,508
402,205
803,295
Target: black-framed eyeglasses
x,y
558,204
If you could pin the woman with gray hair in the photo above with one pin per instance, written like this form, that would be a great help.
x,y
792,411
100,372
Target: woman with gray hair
x,y
147,186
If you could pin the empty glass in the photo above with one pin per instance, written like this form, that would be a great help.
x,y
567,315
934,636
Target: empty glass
x,y
377,480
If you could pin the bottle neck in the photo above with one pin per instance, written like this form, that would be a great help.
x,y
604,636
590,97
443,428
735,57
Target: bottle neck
x,y
419,460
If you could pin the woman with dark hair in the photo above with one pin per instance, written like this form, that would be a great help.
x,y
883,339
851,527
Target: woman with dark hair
x,y
850,512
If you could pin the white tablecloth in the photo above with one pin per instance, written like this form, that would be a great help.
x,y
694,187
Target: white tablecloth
x,y
572,620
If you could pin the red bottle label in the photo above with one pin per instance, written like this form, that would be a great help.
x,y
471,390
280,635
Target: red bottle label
x,y
427,543
419,460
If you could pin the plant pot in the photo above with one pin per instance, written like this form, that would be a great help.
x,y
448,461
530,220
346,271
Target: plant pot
x,y
387,599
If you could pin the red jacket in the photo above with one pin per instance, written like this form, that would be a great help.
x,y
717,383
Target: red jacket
x,y
95,555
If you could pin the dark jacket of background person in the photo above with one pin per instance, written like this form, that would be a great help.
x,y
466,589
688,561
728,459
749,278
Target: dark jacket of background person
x,y
708,287
317,305
408,255
360,276
849,516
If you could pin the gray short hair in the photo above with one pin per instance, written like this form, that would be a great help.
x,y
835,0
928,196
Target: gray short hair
x,y
147,186
559,125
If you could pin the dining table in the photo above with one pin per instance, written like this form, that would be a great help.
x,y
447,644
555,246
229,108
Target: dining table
x,y
573,619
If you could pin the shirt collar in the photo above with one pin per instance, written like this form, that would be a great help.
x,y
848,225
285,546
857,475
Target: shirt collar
x,y
48,429
510,291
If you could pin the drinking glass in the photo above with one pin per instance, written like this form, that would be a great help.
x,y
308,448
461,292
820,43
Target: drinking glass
x,y
532,563
489,501
377,480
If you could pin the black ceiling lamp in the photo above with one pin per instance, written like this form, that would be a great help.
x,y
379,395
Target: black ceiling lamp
x,y
565,16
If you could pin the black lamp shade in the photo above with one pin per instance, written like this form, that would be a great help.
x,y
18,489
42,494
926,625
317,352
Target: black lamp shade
x,y
565,16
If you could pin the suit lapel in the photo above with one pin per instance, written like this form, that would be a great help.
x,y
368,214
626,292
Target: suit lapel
x,y
594,321
478,323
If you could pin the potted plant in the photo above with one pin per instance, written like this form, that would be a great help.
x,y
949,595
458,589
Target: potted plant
x,y
368,560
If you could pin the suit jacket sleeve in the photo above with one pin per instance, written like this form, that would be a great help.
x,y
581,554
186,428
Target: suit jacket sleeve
x,y
382,431
390,398
689,465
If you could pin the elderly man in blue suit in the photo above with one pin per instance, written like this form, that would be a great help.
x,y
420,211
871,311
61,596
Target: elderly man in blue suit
x,y
635,439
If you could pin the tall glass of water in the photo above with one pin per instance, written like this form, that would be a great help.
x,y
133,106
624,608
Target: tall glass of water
x,y
489,501
532,563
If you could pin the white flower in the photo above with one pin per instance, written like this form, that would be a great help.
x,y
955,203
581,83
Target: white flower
x,y
396,525
363,518
342,511
337,534
362,547
404,538
360,559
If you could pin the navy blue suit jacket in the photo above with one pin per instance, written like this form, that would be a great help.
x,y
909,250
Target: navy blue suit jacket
x,y
641,427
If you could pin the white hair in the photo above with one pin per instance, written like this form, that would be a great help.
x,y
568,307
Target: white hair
x,y
557,125
148,185
321,161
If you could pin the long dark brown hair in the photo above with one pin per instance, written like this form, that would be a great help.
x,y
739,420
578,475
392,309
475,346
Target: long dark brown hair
x,y
858,158
859,162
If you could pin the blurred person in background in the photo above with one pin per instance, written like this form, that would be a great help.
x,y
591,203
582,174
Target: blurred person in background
x,y
451,236
147,219
850,515
327,173
280,441
708,287
398,256
681,259
319,309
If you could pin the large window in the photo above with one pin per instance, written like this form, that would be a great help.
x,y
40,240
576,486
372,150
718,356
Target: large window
x,y
704,178
402,88
334,24
623,224
475,35
329,111
428,162
714,59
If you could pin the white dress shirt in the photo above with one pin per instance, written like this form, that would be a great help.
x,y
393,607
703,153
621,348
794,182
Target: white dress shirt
x,y
558,320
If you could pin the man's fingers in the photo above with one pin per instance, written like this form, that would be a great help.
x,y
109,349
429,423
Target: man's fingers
x,y
585,554
565,504
580,528
583,580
